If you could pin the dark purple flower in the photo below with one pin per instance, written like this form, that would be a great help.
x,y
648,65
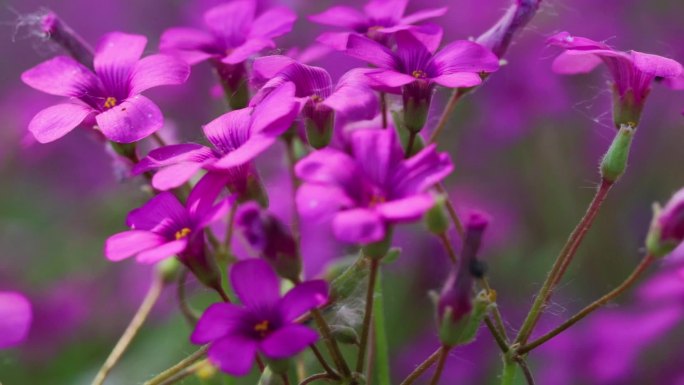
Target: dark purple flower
x,y
370,189
632,72
379,19
667,229
351,98
235,33
265,321
15,318
499,37
271,239
110,97
414,69
238,137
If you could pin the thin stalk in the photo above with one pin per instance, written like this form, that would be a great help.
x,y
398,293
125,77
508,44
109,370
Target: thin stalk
x,y
383,106
633,277
500,341
188,312
498,318
444,353
319,376
451,210
424,366
331,373
381,347
230,229
447,246
562,262
368,314
411,142
286,381
334,350
157,138
184,363
139,318
526,371
294,181
448,110
184,373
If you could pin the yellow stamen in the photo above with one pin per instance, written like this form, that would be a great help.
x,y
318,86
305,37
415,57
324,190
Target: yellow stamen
x,y
110,102
182,233
316,98
374,28
418,74
376,200
261,327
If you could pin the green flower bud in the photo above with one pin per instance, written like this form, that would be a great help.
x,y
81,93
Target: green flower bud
x,y
614,162
436,218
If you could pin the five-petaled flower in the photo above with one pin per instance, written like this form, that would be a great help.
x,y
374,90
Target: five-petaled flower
x,y
632,72
110,97
378,21
265,323
370,189
415,68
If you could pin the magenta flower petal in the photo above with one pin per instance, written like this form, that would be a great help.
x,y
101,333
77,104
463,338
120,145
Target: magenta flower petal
x,y
377,153
115,56
390,78
358,226
465,56
274,22
255,283
340,16
175,175
385,10
129,243
54,122
233,354
421,171
423,15
192,45
406,209
352,98
249,48
157,214
288,341
370,51
231,21
172,154
229,131
203,195
245,153
62,76
304,297
134,119
459,79
158,70
575,62
335,40
267,67
275,113
164,251
656,65
329,167
15,319
320,202
219,320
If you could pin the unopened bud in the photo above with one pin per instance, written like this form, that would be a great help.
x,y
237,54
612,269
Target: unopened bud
x,y
168,269
614,162
345,334
667,226
436,218
233,78
319,120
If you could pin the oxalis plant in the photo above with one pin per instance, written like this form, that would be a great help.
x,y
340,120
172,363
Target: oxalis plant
x,y
207,202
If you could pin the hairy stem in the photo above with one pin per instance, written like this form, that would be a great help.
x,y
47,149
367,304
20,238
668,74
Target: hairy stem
x,y
330,372
423,367
444,353
180,366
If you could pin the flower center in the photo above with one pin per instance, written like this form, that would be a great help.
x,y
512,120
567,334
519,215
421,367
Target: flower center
x,y
317,98
376,199
374,28
182,233
261,328
419,74
110,102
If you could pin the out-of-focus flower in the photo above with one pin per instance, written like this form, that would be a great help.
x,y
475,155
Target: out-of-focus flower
x,y
15,318
238,137
414,69
351,98
370,189
271,239
667,228
499,37
632,72
264,323
379,19
110,97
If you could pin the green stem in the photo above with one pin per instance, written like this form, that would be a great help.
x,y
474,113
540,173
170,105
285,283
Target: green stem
x,y
562,262
334,350
424,366
292,161
383,105
451,210
381,347
231,227
330,372
315,377
448,110
409,146
186,362
450,249
633,277
510,370
188,312
131,331
368,314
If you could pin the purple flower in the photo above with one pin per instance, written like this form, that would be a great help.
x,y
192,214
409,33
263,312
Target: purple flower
x,y
499,37
667,228
271,239
15,318
164,227
238,137
371,189
379,19
414,69
110,97
235,33
264,323
633,72
352,98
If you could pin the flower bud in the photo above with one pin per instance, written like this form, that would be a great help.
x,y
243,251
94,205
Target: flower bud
x,y
436,218
345,334
499,37
667,227
455,307
200,263
626,108
274,242
319,120
417,97
614,162
168,269
377,250
418,143
54,29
